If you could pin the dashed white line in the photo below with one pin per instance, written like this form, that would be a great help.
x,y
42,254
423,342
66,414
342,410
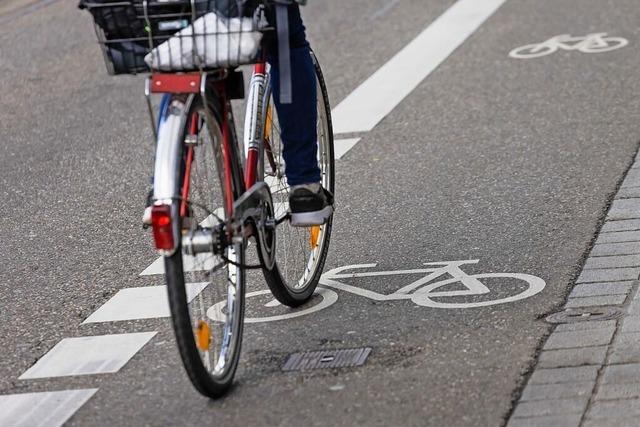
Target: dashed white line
x,y
50,409
88,355
200,262
342,146
149,302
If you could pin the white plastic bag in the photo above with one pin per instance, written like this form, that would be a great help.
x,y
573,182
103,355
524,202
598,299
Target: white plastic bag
x,y
219,42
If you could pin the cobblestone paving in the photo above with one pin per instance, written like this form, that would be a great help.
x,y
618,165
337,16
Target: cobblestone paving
x,y
588,373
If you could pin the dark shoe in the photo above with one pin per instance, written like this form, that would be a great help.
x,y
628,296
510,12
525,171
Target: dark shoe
x,y
310,205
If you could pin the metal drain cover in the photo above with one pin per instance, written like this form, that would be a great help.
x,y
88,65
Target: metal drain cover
x,y
308,360
574,315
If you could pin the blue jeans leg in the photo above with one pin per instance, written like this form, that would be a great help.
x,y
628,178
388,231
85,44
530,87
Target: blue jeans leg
x,y
298,120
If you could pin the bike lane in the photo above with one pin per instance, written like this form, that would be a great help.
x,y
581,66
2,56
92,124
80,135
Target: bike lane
x,y
493,159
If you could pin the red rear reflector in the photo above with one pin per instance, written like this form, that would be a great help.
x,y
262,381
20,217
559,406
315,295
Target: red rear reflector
x,y
175,83
162,229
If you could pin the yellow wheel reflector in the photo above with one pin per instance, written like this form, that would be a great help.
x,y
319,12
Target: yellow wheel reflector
x,y
203,336
314,235
268,122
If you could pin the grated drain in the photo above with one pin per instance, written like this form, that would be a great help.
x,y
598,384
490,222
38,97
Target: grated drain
x,y
308,360
575,315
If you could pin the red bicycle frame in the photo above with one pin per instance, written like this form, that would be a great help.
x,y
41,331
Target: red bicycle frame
x,y
190,83
251,169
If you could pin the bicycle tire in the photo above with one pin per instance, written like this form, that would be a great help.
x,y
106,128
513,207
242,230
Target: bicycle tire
x,y
203,372
279,278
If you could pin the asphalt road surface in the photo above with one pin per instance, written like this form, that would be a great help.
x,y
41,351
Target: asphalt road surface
x,y
511,162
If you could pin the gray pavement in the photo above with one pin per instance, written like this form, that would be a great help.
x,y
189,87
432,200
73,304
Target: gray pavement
x,y
512,162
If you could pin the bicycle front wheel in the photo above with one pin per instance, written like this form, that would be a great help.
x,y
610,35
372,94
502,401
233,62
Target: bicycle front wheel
x,y
209,343
300,252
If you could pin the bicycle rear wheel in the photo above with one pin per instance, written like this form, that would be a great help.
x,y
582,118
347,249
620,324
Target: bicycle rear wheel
x,y
300,252
209,343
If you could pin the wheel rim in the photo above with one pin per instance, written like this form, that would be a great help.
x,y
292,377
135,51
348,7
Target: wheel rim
x,y
211,277
298,249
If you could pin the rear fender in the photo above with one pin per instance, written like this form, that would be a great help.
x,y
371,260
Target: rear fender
x,y
167,170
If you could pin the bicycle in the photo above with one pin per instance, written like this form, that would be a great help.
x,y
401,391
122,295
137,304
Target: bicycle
x,y
591,43
211,194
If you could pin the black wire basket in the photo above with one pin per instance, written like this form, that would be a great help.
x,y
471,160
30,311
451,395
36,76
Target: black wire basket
x,y
138,36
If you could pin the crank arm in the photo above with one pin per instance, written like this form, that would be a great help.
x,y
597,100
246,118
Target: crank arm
x,y
249,205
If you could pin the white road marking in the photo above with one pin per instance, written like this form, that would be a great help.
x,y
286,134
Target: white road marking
x,y
430,289
275,183
149,302
273,303
156,267
212,220
46,409
280,209
431,285
374,99
88,355
199,262
591,43
329,297
342,146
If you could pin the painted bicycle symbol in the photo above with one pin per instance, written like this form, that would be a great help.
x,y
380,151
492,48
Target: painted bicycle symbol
x,y
591,43
439,285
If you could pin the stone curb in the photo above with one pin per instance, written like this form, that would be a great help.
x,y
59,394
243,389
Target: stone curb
x,y
588,373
